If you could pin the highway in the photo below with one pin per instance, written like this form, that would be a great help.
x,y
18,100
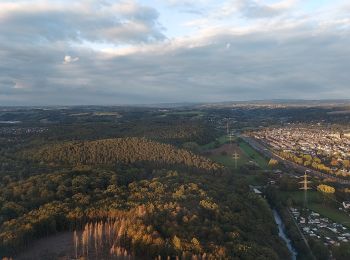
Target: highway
x,y
299,168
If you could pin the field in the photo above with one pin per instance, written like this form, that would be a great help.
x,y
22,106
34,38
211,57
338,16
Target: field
x,y
254,155
315,203
331,213
219,141
224,155
222,152
298,196
185,113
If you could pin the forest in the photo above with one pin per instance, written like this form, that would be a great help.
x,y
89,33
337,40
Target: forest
x,y
164,212
120,150
124,183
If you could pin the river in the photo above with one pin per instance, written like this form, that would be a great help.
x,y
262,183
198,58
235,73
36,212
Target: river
x,y
283,235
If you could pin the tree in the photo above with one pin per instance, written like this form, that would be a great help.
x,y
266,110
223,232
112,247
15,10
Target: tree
x,y
196,245
319,249
273,162
341,252
326,189
177,243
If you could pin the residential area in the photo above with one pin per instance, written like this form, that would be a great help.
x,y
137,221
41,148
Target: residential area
x,y
315,226
5,131
323,149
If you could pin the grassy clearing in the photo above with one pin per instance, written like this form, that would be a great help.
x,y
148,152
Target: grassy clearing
x,y
315,203
298,196
228,161
186,113
331,213
253,155
106,114
220,140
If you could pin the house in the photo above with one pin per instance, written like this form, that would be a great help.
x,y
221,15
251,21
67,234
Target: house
x,y
314,214
306,229
346,204
256,191
333,230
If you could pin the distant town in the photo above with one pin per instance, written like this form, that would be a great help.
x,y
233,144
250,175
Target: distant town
x,y
327,150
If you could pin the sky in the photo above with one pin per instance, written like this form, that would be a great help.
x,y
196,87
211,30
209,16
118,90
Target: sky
x,y
102,52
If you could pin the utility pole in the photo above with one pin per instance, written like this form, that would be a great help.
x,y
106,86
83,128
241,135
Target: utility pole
x,y
305,187
228,132
236,157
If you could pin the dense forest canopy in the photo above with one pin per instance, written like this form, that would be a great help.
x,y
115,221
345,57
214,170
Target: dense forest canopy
x,y
120,150
176,206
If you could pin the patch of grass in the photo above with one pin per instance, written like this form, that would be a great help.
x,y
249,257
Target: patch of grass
x,y
106,114
331,213
220,140
228,161
253,155
187,113
315,199
298,196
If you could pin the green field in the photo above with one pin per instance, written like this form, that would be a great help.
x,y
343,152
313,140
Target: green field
x,y
253,155
221,140
228,161
315,203
298,196
186,113
331,213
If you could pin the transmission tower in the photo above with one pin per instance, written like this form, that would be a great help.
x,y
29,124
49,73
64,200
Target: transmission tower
x,y
227,129
305,187
236,157
228,132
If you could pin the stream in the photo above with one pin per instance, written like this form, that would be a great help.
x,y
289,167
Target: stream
x,y
283,235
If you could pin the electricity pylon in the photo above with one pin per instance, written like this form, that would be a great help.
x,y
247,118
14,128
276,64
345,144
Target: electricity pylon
x,y
228,132
236,157
305,187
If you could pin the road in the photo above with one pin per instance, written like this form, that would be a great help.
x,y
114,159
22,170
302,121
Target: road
x,y
299,168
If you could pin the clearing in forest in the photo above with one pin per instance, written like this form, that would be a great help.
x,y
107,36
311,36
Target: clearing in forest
x,y
225,155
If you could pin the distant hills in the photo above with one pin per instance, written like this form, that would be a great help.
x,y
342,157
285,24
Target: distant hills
x,y
266,102
283,103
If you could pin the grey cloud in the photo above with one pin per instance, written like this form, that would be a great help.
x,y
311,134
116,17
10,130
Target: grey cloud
x,y
253,9
297,62
118,23
257,66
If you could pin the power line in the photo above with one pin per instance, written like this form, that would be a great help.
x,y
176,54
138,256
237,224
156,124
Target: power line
x,y
305,187
229,135
227,129
236,157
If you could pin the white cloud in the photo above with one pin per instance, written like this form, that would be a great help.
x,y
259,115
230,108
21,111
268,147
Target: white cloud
x,y
69,59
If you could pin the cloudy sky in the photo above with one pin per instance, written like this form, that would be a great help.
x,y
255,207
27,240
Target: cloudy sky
x,y
158,51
